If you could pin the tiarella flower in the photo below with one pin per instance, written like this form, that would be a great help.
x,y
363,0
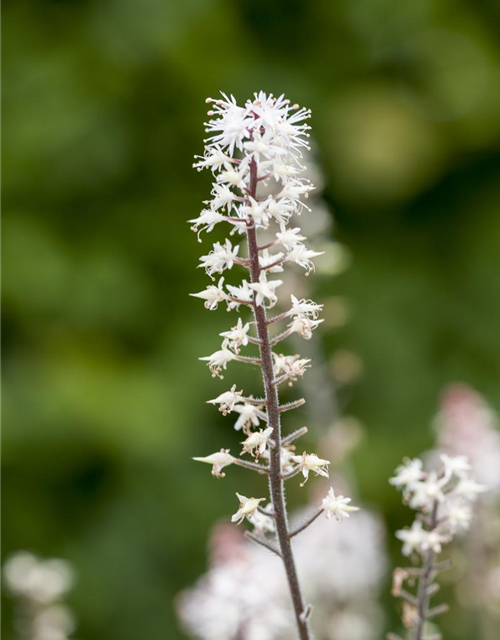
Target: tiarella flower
x,y
212,295
294,189
280,209
469,489
218,460
304,326
412,538
248,506
457,515
262,145
408,474
311,462
206,221
337,506
218,360
266,259
426,492
214,159
302,256
256,442
232,178
289,238
220,258
233,123
222,197
305,308
250,414
241,295
227,400
265,289
292,367
237,336
258,211
456,465
433,541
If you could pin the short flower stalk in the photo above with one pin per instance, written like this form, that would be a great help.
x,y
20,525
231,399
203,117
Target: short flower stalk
x,y
249,148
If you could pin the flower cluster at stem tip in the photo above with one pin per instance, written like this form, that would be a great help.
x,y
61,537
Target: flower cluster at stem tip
x,y
255,153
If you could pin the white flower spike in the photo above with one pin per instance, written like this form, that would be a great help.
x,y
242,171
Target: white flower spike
x,y
254,152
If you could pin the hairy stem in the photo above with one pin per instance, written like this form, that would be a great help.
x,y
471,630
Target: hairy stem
x,y
425,582
276,486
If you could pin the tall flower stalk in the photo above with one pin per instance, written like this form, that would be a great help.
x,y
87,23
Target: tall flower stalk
x,y
251,148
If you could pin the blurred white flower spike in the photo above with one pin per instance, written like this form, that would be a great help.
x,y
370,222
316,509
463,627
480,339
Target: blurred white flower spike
x,y
443,502
254,152
39,587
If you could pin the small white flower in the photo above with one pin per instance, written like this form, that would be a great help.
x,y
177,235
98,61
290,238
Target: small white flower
x,y
305,307
248,506
294,188
292,367
469,489
258,211
233,124
237,336
457,514
266,259
337,506
265,289
212,295
221,257
412,538
242,294
289,238
302,256
218,460
256,442
311,462
214,159
408,474
455,465
250,414
426,492
206,221
222,197
280,209
262,145
232,178
218,360
227,400
304,326
433,541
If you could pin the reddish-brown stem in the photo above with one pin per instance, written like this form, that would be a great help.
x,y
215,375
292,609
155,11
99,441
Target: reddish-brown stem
x,y
276,485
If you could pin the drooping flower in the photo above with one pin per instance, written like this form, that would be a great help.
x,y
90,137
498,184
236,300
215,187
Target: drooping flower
x,y
218,460
311,462
227,400
247,508
256,442
213,295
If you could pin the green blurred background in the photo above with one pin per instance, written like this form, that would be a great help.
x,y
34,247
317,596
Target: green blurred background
x,y
104,396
